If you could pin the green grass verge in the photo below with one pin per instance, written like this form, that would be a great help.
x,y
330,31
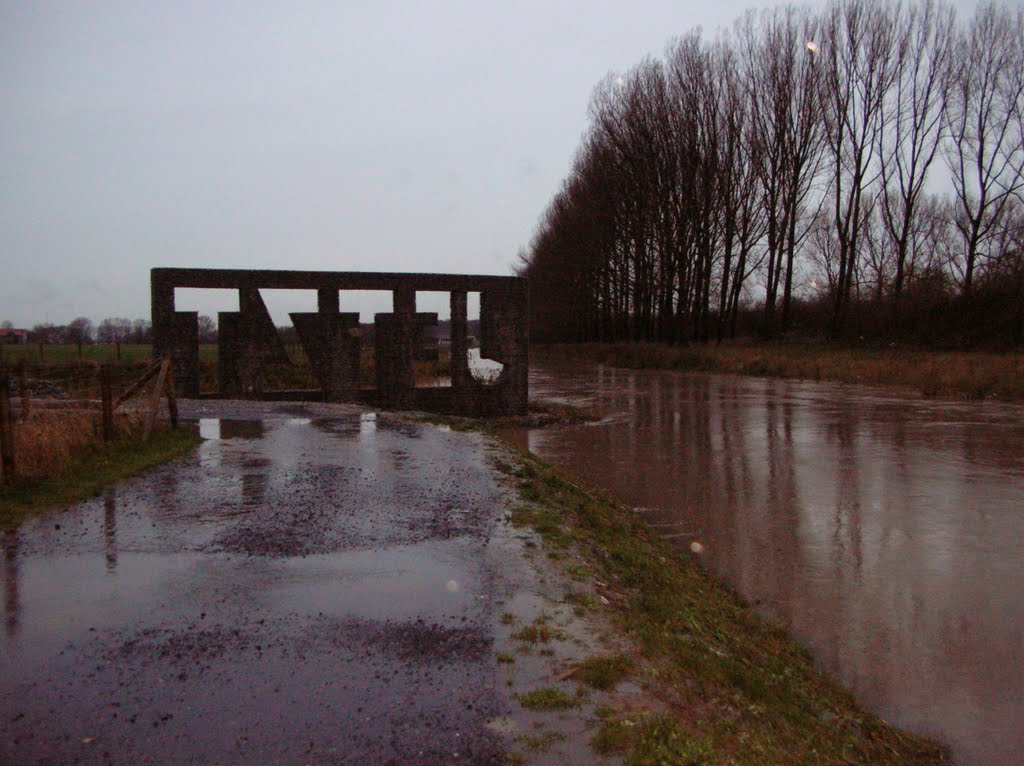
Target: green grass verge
x,y
727,686
964,374
100,466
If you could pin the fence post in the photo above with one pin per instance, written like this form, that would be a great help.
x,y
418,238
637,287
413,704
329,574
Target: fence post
x,y
23,388
172,396
107,397
154,401
6,429
42,352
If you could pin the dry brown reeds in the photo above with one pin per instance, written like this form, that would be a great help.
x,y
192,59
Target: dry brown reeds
x,y
49,438
965,374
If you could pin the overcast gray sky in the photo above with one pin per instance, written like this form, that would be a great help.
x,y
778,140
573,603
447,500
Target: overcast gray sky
x,y
344,136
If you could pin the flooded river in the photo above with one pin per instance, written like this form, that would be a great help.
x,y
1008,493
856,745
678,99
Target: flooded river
x,y
886,532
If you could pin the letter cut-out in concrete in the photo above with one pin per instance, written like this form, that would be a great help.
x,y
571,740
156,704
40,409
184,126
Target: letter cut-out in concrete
x,y
247,341
331,338
332,345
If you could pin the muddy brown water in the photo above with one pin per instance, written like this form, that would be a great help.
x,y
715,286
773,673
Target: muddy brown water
x,y
886,532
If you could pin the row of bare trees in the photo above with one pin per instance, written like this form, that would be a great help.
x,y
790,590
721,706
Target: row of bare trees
x,y
110,330
867,158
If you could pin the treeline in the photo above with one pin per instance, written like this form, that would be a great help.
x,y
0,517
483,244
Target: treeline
x,y
82,330
854,170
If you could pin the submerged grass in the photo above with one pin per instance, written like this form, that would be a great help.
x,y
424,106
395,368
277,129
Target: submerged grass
x,y
538,633
96,467
541,743
731,688
966,374
548,698
604,672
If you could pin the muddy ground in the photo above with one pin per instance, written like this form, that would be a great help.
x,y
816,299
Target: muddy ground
x,y
317,584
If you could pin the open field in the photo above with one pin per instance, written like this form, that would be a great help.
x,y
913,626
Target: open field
x,y
64,368
68,352
966,374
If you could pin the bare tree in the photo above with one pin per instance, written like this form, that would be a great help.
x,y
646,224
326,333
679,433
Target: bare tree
x,y
698,137
985,154
794,156
859,44
910,137
738,187
207,329
80,330
782,78
878,261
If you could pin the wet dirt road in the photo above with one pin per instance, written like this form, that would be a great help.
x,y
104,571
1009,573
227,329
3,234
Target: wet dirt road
x,y
314,585
886,531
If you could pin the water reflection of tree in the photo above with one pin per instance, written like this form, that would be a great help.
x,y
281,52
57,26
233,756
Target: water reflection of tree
x,y
11,582
843,646
780,513
254,487
110,528
737,486
882,529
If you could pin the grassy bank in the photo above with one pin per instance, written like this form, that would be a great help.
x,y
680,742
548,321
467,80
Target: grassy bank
x,y
964,374
97,467
723,686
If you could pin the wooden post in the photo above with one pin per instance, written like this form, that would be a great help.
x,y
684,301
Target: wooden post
x,y
79,351
154,401
107,397
23,388
42,352
172,397
6,429
147,376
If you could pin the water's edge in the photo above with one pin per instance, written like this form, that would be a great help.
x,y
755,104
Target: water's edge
x,y
883,531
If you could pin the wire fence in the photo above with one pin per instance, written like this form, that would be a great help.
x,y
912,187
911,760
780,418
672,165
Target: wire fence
x,y
49,412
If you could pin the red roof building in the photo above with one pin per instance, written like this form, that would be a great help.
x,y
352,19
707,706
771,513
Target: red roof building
x,y
13,337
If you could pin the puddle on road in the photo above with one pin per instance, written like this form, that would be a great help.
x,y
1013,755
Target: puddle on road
x,y
217,428
327,566
55,601
400,583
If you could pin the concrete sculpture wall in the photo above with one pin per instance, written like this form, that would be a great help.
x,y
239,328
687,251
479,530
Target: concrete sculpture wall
x,y
332,341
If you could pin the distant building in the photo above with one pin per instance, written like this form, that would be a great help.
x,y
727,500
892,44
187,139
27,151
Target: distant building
x,y
13,337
